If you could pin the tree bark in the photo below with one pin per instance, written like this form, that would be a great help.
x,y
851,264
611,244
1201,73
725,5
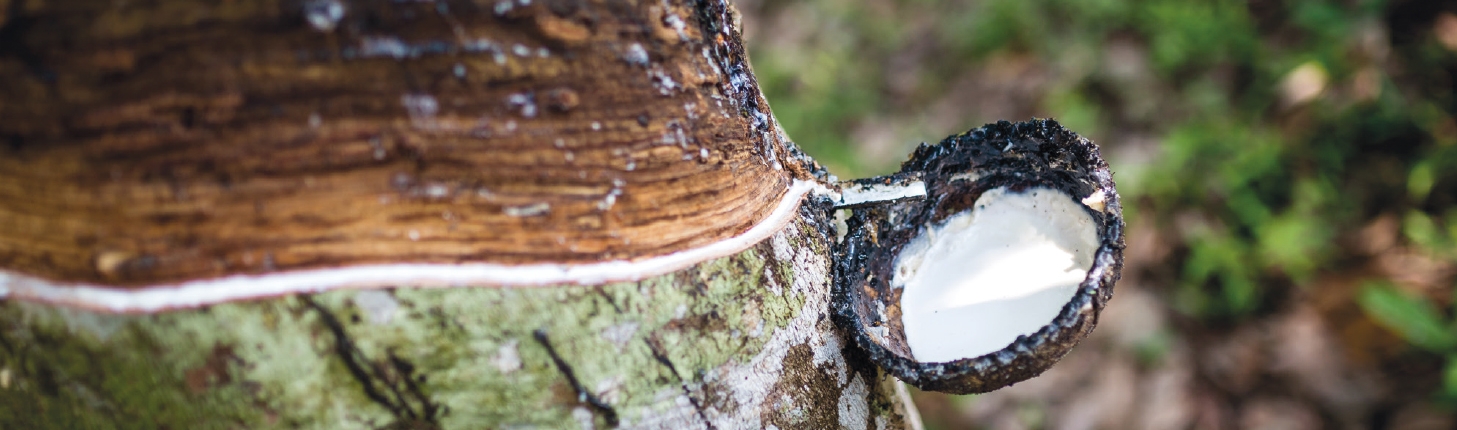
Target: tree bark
x,y
737,342
158,144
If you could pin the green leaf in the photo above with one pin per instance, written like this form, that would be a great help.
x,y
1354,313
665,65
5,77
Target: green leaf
x,y
1415,319
1422,230
1241,295
1449,378
1420,180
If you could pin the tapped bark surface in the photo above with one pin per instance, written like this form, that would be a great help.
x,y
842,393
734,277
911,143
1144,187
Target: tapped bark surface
x,y
161,142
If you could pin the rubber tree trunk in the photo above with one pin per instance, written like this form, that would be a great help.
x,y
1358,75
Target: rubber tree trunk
x,y
737,342
173,169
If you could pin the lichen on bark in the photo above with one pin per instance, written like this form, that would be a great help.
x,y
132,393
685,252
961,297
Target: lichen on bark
x,y
713,346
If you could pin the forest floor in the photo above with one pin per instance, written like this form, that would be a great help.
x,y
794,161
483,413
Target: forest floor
x,y
1289,171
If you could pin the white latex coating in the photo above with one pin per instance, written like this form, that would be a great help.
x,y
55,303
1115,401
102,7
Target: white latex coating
x,y
203,292
858,193
983,277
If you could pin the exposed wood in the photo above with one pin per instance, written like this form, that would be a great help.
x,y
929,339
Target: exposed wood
x,y
173,140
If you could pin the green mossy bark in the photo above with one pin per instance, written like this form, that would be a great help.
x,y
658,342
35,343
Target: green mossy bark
x,y
737,342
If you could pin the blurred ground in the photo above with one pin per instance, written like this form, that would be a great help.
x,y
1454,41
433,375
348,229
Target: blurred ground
x,y
1288,167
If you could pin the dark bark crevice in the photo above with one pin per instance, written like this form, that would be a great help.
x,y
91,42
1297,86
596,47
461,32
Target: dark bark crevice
x,y
662,358
603,292
430,411
13,32
583,395
372,377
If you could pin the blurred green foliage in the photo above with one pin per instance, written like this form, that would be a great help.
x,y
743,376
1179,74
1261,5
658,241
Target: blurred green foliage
x,y
1280,127
1418,321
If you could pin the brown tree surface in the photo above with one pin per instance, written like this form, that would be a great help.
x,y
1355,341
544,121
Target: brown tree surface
x,y
171,167
172,141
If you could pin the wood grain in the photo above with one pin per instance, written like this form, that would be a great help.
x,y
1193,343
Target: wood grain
x,y
163,141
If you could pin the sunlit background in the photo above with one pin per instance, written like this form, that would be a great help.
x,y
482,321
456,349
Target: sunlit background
x,y
1288,169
